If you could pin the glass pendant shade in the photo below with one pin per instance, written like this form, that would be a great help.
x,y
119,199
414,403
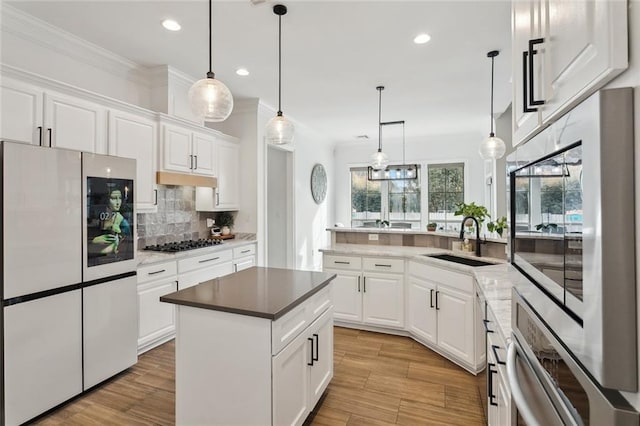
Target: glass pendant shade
x,y
279,130
210,99
492,148
379,160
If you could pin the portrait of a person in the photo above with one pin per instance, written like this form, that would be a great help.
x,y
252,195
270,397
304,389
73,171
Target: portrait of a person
x,y
109,224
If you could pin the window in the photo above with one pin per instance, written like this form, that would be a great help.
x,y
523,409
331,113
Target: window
x,y
445,190
365,199
396,201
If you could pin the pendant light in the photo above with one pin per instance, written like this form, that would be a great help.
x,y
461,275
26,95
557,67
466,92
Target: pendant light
x,y
492,147
379,160
279,130
209,98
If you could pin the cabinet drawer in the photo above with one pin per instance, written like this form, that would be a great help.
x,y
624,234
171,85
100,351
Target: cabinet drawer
x,y
203,260
455,280
244,251
157,272
285,329
383,264
342,262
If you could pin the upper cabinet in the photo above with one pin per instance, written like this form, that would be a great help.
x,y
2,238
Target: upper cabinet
x,y
134,136
186,151
32,115
563,51
227,164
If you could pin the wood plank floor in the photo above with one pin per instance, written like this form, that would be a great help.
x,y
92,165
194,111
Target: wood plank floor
x,y
379,379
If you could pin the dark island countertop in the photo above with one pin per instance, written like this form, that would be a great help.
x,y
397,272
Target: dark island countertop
x,y
259,292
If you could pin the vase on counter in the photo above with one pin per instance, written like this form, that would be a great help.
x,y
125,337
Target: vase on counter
x,y
225,230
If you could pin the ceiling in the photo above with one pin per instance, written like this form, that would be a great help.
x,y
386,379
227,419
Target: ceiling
x,y
334,54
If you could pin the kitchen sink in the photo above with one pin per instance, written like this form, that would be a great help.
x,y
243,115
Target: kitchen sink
x,y
458,259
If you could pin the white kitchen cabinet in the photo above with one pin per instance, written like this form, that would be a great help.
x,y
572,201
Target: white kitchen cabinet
x,y
135,136
227,171
442,312
157,320
74,123
244,257
498,391
576,48
187,151
31,114
204,267
302,372
21,108
367,290
422,318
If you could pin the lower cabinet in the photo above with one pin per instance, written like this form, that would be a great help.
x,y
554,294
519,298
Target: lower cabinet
x,y
498,391
443,314
368,290
302,372
244,257
156,320
204,267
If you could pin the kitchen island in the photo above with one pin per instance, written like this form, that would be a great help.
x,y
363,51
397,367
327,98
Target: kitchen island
x,y
254,347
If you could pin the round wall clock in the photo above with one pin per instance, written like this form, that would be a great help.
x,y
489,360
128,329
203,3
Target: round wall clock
x,y
318,183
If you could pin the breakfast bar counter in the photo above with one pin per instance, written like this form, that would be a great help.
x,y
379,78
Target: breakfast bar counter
x,y
253,347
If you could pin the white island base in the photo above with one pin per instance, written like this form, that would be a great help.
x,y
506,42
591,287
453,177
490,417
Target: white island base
x,y
239,369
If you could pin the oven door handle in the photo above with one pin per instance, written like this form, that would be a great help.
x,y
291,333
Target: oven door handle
x,y
516,392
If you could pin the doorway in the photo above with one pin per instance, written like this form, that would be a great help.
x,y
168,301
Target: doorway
x,y
280,218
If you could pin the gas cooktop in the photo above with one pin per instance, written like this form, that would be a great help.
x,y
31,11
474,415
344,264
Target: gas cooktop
x,y
183,245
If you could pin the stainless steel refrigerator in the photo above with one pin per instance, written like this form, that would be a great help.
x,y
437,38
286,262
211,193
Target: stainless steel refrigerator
x,y
69,302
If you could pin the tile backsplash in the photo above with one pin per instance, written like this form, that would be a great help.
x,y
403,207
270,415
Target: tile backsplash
x,y
175,220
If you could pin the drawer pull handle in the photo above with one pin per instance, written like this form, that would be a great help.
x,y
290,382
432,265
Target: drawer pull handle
x,y
437,305
495,348
245,251
156,272
486,325
358,284
381,264
316,358
364,285
431,298
490,384
312,359
209,260
50,136
40,135
342,262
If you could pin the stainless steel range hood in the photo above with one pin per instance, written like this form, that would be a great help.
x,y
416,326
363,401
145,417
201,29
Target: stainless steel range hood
x,y
184,179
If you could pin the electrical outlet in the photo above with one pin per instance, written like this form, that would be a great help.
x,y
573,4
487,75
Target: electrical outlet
x,y
373,237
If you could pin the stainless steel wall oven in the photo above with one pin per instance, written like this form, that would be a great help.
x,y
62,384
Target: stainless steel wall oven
x,y
572,231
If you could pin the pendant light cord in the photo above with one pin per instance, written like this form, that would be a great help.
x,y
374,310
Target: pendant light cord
x,y
279,64
380,89
492,58
210,73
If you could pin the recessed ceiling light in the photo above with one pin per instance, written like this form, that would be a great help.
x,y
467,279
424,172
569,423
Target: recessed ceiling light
x,y
422,38
171,25
242,71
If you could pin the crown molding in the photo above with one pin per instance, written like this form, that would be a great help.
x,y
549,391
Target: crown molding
x,y
36,31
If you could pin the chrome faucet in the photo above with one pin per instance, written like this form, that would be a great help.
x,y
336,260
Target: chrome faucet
x,y
478,242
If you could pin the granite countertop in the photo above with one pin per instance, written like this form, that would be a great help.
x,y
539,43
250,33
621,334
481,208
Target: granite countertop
x,y
259,292
148,257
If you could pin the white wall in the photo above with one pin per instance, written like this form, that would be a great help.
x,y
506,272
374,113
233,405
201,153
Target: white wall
x,y
430,149
311,219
